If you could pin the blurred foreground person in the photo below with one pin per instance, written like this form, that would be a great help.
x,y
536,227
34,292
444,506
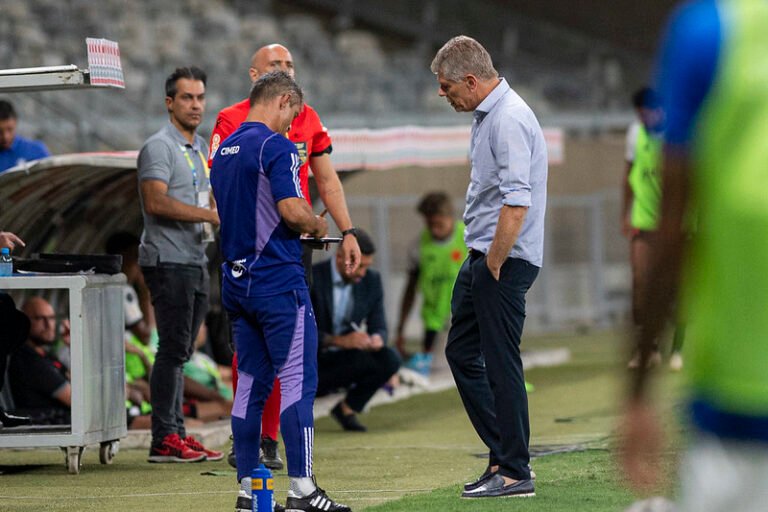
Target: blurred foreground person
x,y
714,84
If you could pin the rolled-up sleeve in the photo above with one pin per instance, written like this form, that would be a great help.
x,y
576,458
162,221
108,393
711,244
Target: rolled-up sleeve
x,y
513,157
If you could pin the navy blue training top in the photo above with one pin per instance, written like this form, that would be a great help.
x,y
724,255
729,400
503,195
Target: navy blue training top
x,y
253,170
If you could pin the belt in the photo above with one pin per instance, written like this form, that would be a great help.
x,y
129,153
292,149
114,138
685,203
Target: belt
x,y
475,254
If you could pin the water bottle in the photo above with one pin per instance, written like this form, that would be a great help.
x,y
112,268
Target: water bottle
x,y
263,487
6,262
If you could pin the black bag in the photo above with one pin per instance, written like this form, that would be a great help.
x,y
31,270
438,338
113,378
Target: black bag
x,y
70,263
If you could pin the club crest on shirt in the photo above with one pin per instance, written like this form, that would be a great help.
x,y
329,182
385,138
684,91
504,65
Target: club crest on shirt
x,y
301,147
215,143
237,268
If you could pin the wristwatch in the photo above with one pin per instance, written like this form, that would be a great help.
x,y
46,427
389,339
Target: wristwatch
x,y
351,231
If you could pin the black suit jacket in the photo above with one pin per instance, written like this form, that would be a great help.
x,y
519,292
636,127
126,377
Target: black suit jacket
x,y
367,297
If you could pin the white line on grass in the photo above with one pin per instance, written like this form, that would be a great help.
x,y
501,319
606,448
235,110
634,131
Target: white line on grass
x,y
201,493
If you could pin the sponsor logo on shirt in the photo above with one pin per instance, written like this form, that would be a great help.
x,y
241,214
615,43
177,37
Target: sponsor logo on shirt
x,y
229,150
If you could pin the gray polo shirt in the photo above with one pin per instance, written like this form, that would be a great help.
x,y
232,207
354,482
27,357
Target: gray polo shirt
x,y
167,156
509,167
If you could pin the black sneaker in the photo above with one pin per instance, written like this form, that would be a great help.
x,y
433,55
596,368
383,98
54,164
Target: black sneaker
x,y
318,501
268,454
231,459
245,504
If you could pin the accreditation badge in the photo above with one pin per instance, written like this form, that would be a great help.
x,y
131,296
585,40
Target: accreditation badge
x,y
204,201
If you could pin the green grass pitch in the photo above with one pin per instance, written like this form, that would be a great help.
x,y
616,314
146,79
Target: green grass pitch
x,y
415,456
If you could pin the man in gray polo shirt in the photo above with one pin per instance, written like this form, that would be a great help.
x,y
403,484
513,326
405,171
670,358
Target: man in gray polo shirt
x,y
178,219
504,220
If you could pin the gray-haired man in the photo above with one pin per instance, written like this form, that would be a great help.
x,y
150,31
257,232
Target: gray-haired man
x,y
504,220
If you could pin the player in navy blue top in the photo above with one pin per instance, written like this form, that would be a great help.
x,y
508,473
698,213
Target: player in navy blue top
x,y
255,180
258,169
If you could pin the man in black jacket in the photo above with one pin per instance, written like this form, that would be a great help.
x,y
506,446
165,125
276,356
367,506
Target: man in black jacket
x,y
12,336
352,330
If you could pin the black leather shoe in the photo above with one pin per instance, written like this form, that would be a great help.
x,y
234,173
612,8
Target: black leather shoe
x,y
494,488
471,486
11,420
347,421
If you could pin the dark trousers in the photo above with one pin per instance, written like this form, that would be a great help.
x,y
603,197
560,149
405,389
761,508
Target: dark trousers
x,y
180,297
483,351
359,371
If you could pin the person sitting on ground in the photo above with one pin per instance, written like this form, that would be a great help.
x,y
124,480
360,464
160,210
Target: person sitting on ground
x,y
39,382
206,395
434,265
139,353
352,332
15,150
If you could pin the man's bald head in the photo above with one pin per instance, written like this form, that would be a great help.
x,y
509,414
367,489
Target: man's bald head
x,y
272,57
42,319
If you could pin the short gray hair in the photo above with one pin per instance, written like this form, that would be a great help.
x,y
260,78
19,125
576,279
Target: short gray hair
x,y
275,83
462,56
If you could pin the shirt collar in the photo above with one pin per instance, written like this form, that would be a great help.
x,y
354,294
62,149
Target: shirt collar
x,y
490,101
335,276
176,135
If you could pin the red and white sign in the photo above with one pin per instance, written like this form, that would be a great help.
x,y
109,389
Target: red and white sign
x,y
417,146
104,64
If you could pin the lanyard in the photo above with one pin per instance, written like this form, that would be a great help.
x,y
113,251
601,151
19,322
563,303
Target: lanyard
x,y
185,150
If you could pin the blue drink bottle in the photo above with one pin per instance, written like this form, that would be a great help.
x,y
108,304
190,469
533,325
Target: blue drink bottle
x,y
263,487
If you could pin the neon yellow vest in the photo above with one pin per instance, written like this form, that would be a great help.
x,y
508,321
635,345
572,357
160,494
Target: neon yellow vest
x,y
645,181
134,367
727,284
439,264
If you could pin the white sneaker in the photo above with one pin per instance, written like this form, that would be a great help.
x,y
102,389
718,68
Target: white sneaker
x,y
676,362
653,360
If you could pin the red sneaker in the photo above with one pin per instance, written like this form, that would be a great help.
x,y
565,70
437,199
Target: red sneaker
x,y
194,444
174,449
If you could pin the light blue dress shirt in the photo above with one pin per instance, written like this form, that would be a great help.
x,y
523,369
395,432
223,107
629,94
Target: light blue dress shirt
x,y
342,300
509,167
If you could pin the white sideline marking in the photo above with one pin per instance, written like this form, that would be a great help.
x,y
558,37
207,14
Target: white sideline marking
x,y
201,493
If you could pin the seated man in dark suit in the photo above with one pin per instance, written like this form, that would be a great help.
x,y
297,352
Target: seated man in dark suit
x,y
39,382
352,331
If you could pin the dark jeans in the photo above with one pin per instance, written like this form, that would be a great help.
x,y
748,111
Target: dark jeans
x,y
359,371
483,351
180,297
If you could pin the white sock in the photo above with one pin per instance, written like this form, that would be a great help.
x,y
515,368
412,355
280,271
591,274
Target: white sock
x,y
301,487
246,484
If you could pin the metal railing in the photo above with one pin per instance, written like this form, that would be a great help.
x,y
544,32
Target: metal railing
x,y
585,280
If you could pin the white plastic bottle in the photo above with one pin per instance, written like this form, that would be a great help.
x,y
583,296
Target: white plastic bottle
x,y
6,262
